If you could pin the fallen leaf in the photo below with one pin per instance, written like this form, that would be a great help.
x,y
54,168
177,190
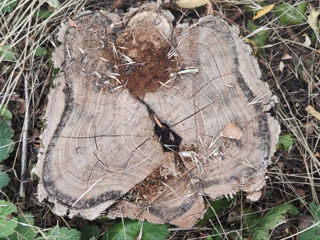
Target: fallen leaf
x,y
309,128
254,196
286,56
301,192
73,24
53,3
251,42
263,11
305,222
305,76
307,41
191,3
317,155
281,66
117,4
209,8
313,20
313,112
231,130
233,217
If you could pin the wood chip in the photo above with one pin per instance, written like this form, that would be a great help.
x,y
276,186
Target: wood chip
x,y
232,131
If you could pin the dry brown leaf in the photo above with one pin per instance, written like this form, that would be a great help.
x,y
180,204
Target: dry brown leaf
x,y
317,155
231,130
309,128
305,76
263,11
301,192
191,3
209,8
313,112
254,196
117,4
281,66
313,20
286,56
307,41
73,24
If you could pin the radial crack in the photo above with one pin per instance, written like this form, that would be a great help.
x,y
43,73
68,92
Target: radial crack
x,y
169,139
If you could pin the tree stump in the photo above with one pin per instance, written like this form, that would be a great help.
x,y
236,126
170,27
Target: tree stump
x,y
146,120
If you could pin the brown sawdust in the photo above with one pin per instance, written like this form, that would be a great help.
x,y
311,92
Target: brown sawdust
x,y
151,66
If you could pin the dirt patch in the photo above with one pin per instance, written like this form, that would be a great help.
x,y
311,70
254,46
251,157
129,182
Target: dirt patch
x,y
141,65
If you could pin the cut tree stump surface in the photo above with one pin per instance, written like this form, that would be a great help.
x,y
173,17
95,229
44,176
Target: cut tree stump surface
x,y
130,132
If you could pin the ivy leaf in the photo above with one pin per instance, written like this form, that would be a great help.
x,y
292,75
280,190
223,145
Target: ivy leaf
x,y
40,52
290,15
25,229
5,114
314,232
89,232
274,217
218,206
7,53
44,14
130,229
4,179
259,38
7,5
6,144
7,222
154,231
63,233
285,142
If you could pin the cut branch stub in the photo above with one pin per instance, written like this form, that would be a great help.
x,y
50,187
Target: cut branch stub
x,y
132,131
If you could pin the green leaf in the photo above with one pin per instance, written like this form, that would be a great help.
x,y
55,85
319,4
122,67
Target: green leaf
x,y
312,233
285,142
154,231
4,179
6,144
290,15
63,233
89,232
7,6
272,219
218,206
7,53
130,229
40,52
5,114
7,222
25,229
44,14
315,210
260,37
